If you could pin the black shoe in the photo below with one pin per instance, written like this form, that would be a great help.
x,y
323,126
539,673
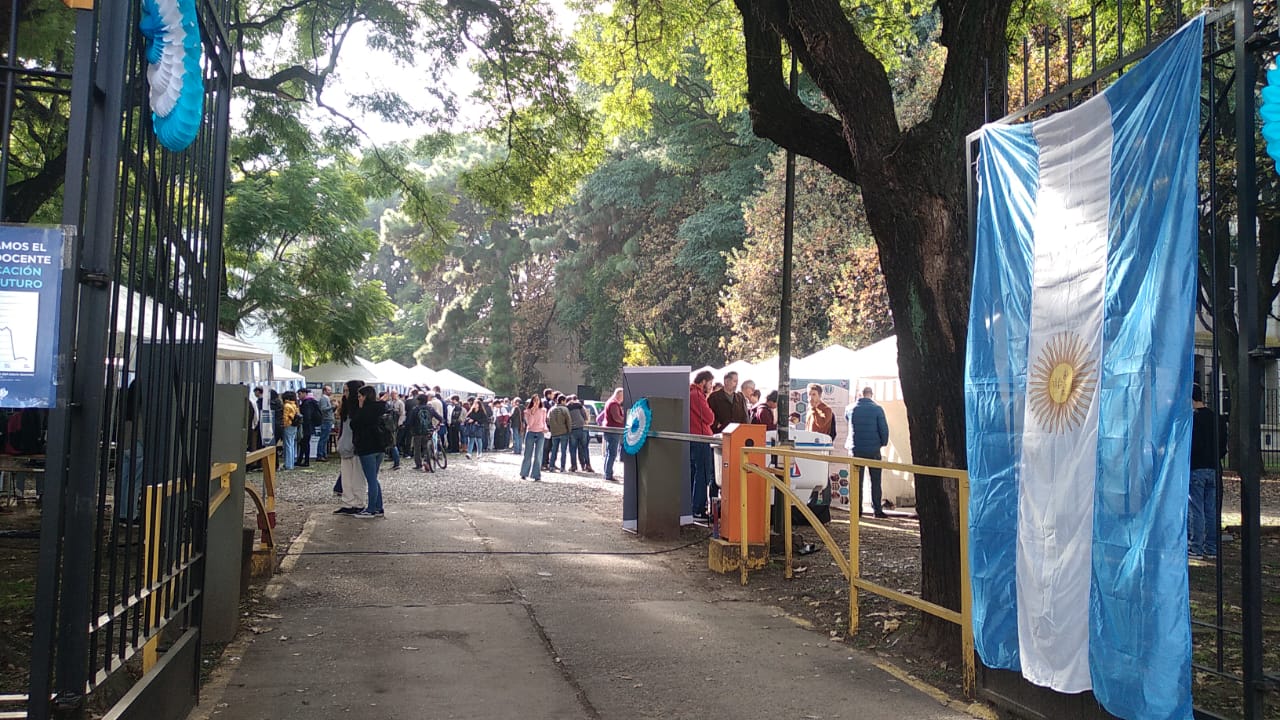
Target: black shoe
x,y
881,515
347,511
701,517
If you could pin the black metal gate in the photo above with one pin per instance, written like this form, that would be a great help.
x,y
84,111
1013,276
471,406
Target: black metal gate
x,y
122,527
1058,66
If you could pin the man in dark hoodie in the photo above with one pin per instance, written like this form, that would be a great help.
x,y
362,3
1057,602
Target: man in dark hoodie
x,y
309,407
579,449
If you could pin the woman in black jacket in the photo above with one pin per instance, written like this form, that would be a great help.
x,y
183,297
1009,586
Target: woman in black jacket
x,y
473,428
368,446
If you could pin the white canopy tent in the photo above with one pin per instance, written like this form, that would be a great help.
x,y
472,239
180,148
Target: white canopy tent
x,y
393,373
239,362
742,367
423,375
765,373
836,362
451,382
279,372
337,373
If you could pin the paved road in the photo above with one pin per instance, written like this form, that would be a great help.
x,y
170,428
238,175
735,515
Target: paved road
x,y
534,609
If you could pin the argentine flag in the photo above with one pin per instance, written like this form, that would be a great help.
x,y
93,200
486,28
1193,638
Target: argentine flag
x,y
1078,390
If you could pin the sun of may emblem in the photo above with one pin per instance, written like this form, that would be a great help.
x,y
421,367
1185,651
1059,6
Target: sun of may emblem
x,y
1062,382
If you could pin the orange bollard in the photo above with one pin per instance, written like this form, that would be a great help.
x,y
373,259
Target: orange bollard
x,y
736,437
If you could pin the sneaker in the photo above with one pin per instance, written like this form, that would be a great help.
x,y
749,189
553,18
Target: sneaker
x,y
395,467
367,514
701,517
347,510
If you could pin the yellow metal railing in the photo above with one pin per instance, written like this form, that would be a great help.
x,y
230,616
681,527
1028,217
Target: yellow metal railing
x,y
158,585
264,551
849,564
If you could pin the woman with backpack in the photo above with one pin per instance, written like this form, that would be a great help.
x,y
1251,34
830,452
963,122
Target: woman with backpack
x,y
366,435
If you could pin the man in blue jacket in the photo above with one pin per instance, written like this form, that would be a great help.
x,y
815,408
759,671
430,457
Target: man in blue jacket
x,y
868,432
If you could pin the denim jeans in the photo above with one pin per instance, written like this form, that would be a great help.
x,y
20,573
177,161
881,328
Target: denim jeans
x,y
559,447
516,441
581,445
531,465
612,444
369,463
700,475
322,445
875,480
290,446
475,444
1202,513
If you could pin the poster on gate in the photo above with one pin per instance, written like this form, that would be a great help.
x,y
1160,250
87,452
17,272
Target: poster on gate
x,y
30,300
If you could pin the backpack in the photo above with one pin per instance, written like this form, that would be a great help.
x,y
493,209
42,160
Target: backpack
x,y
422,419
387,428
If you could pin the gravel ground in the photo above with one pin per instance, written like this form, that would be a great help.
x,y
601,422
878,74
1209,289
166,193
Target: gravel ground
x,y
494,477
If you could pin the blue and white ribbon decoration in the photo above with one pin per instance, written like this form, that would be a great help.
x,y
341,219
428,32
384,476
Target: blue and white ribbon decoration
x,y
1270,112
639,418
174,70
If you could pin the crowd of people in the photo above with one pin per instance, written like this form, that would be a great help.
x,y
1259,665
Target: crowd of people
x,y
368,428
713,406
549,432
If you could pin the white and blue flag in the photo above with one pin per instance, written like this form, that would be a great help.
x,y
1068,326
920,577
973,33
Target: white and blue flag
x,y
1078,386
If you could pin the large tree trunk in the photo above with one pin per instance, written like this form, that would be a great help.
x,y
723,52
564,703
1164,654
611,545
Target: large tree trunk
x,y
914,189
919,224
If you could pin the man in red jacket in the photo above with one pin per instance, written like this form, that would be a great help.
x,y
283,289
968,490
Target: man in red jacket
x,y
614,417
700,419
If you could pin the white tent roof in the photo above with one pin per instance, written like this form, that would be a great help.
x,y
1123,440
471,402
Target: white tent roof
x,y
835,362
231,347
423,375
765,373
878,360
450,381
359,369
394,373
279,372
742,367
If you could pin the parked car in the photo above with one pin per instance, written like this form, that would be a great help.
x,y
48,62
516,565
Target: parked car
x,y
594,408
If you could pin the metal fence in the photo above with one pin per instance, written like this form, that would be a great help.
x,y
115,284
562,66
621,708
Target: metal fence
x,y
122,531
1059,65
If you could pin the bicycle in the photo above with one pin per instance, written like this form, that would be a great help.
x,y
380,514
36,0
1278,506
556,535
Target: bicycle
x,y
438,455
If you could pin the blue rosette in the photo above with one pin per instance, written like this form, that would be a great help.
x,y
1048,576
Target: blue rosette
x,y
175,77
1269,111
639,418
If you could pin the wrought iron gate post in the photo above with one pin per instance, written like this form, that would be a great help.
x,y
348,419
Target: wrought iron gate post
x,y
44,630
1249,404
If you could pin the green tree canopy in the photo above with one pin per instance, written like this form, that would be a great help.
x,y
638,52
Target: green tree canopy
x,y
293,243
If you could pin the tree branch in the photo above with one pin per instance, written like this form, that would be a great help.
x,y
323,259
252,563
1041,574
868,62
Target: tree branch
x,y
779,115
